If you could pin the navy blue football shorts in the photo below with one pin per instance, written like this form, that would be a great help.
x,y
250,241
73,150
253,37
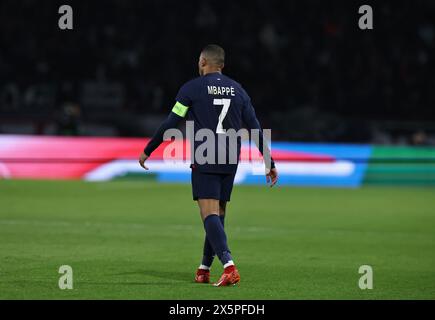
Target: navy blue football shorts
x,y
212,185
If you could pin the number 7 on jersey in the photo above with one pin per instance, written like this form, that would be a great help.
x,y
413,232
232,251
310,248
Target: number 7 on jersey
x,y
226,105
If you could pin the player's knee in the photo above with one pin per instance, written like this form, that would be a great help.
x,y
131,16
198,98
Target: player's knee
x,y
204,215
222,207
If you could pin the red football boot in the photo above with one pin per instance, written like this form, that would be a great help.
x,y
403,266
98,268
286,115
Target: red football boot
x,y
230,277
202,276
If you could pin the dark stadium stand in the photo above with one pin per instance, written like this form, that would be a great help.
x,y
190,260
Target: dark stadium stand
x,y
313,75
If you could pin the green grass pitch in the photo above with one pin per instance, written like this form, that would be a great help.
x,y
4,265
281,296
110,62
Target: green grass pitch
x,y
143,240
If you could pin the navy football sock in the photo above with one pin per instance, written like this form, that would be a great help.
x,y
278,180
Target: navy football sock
x,y
208,256
217,238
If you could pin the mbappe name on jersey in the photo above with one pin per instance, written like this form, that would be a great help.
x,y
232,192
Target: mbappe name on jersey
x,y
216,90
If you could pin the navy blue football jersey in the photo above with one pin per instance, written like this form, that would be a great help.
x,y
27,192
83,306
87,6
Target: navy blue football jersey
x,y
217,103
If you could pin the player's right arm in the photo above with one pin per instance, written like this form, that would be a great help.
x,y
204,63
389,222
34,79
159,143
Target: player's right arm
x,y
174,118
177,114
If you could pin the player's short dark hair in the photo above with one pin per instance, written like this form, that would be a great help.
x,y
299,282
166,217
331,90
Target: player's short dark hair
x,y
214,54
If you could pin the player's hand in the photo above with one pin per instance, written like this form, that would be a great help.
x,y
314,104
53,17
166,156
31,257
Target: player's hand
x,y
272,177
142,158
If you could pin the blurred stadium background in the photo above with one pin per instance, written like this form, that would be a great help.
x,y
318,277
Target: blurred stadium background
x,y
347,108
313,76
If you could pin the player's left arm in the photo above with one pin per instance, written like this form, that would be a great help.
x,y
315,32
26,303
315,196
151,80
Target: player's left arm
x,y
250,119
174,118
